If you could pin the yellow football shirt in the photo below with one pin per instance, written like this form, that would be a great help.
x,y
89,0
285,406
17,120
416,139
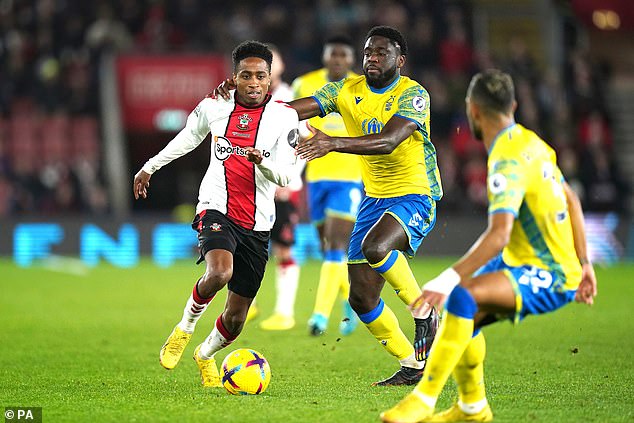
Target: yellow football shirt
x,y
523,178
333,166
411,168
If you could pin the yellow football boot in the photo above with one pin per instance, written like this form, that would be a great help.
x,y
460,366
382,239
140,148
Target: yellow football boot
x,y
209,376
278,322
411,409
455,414
173,348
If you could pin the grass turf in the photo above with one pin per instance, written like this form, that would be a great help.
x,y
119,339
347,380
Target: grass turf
x,y
83,344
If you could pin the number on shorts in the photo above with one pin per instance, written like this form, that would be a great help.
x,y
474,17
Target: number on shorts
x,y
536,278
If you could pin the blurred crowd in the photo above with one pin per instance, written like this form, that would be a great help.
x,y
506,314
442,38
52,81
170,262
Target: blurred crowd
x,y
50,142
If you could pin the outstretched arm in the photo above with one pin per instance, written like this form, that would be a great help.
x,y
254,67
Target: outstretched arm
x,y
395,131
587,289
306,107
194,132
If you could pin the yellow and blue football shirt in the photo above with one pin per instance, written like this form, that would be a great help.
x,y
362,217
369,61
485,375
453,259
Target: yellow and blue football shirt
x,y
411,168
333,166
523,179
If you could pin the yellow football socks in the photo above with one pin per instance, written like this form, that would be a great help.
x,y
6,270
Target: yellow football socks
x,y
383,324
469,372
331,278
396,271
454,335
344,283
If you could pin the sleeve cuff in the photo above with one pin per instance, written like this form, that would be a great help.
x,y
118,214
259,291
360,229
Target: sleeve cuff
x,y
504,210
321,107
149,168
420,127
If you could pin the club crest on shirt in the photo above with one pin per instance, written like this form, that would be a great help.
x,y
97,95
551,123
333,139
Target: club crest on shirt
x,y
388,104
243,122
215,227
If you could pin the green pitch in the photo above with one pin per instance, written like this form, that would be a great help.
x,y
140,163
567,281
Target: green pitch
x,y
83,344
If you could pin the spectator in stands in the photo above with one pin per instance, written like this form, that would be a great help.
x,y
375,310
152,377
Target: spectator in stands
x,y
605,189
107,32
50,51
595,131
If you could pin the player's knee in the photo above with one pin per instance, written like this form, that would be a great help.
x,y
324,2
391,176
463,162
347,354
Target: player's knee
x,y
337,240
217,277
471,288
355,302
374,251
360,303
460,302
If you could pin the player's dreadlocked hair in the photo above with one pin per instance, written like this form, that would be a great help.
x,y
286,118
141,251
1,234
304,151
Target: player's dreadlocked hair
x,y
493,90
251,49
391,34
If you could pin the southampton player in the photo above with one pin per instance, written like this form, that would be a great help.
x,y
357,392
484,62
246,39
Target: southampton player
x,y
334,191
387,118
253,142
532,259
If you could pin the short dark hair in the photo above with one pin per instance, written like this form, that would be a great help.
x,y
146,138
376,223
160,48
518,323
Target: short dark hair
x,y
251,49
493,90
339,39
391,34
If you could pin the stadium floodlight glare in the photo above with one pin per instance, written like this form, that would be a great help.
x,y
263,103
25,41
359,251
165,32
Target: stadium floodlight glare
x,y
170,120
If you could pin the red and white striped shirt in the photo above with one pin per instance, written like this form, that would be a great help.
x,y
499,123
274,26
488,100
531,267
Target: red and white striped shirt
x,y
242,190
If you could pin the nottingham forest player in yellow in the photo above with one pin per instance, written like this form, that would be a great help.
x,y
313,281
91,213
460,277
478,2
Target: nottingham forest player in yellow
x,y
334,190
387,120
532,259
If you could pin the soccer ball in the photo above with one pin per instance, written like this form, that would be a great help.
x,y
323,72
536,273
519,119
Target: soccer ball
x,y
245,372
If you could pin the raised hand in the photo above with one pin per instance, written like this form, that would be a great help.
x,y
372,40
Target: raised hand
x,y
317,146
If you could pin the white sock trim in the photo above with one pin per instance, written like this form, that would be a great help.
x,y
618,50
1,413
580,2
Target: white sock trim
x,y
474,407
191,313
410,361
429,401
214,343
420,314
287,280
